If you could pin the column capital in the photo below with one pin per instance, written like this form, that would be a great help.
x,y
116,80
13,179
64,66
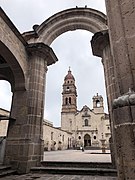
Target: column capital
x,y
42,50
99,41
127,99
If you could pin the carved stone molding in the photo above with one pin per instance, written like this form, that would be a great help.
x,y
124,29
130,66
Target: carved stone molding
x,y
127,99
42,50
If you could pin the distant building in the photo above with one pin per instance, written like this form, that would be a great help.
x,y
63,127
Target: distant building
x,y
55,138
3,123
87,126
78,128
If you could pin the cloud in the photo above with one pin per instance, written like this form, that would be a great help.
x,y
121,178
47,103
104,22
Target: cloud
x,y
26,13
5,95
75,51
72,49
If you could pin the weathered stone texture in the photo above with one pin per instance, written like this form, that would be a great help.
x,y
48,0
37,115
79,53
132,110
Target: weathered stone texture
x,y
120,19
121,15
125,150
71,19
14,44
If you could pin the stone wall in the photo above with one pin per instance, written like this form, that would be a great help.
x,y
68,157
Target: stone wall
x,y
56,138
3,123
11,39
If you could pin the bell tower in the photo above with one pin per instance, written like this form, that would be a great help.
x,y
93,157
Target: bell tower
x,y
98,105
69,94
69,102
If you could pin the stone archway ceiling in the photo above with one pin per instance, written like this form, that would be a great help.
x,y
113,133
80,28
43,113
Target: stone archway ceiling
x,y
10,69
67,20
6,73
3,63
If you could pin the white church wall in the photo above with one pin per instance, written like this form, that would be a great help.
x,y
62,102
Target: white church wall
x,y
55,138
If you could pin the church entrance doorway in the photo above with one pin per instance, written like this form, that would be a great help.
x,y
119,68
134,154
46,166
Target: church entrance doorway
x,y
87,140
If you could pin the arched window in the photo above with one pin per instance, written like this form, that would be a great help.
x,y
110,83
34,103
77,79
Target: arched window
x,y
86,122
69,100
66,101
97,103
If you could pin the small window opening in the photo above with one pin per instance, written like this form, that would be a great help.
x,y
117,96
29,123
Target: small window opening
x,y
86,122
97,103
69,100
66,101
51,135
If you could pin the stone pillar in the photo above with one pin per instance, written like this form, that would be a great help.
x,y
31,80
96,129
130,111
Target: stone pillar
x,y
121,15
101,47
124,129
25,136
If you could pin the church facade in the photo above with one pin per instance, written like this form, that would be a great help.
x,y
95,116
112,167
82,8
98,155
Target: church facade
x,y
88,126
85,127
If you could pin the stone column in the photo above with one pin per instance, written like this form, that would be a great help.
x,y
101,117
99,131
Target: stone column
x,y
25,137
121,16
101,47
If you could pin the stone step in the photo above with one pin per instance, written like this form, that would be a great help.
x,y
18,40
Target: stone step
x,y
4,167
106,165
7,173
6,170
75,171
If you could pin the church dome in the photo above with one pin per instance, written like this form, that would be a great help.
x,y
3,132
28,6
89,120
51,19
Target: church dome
x,y
69,75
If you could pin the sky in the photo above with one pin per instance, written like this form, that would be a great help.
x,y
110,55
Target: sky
x,y
72,49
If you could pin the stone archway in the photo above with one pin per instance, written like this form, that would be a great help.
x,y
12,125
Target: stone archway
x,y
80,18
39,54
117,51
24,66
11,70
67,20
87,140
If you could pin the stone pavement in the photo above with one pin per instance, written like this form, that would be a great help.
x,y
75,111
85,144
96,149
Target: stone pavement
x,y
56,177
77,156
67,155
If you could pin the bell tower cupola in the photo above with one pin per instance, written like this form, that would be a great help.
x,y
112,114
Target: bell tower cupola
x,y
69,94
98,105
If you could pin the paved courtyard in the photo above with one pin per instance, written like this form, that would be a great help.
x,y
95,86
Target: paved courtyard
x,y
68,155
77,156
56,177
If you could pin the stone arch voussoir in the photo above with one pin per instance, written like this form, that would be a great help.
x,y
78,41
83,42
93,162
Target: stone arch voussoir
x,y
67,20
